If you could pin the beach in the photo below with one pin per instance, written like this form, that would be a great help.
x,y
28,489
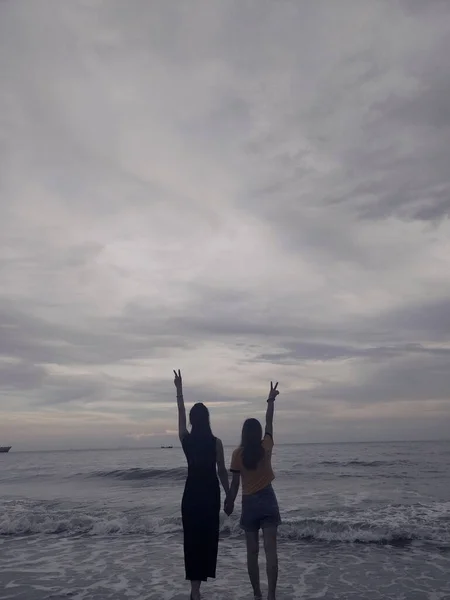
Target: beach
x,y
367,521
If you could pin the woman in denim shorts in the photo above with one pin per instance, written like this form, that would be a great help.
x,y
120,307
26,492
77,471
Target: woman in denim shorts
x,y
252,463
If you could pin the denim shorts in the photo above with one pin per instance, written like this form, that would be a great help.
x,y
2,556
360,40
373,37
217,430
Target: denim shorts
x,y
260,510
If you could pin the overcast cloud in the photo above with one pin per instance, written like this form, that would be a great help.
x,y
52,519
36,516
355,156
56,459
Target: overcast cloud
x,y
244,190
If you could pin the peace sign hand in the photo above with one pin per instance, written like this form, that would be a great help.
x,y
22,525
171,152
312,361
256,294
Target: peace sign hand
x,y
273,391
178,381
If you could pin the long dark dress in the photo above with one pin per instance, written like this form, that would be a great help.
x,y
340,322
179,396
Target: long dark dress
x,y
200,508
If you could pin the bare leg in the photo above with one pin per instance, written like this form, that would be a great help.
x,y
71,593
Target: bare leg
x,y
252,538
195,590
270,547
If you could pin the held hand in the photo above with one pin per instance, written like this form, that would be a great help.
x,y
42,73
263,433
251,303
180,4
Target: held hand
x,y
273,391
178,381
228,507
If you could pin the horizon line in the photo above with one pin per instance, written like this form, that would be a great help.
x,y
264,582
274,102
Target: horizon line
x,y
177,445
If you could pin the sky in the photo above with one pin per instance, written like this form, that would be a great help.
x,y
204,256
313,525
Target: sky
x,y
246,191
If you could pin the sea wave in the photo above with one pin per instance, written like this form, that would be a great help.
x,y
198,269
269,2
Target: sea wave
x,y
138,474
399,526
365,463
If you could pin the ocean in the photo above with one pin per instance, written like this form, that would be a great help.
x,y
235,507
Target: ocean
x,y
360,521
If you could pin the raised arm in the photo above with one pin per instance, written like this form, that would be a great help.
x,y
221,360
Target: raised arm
x,y
271,407
182,428
221,468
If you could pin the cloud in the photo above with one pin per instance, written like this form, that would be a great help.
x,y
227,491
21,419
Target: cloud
x,y
143,435
246,192
19,375
421,377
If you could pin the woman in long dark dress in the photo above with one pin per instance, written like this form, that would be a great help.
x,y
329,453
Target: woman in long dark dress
x,y
200,507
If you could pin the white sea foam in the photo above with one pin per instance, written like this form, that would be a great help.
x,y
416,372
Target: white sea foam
x,y
123,567
397,525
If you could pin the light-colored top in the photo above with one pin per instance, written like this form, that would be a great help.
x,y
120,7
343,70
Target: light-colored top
x,y
254,480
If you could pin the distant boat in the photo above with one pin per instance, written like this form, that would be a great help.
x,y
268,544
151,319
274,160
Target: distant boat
x,y
166,447
5,448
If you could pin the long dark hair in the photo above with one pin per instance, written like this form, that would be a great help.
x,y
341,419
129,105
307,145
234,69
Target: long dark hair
x,y
199,418
252,450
